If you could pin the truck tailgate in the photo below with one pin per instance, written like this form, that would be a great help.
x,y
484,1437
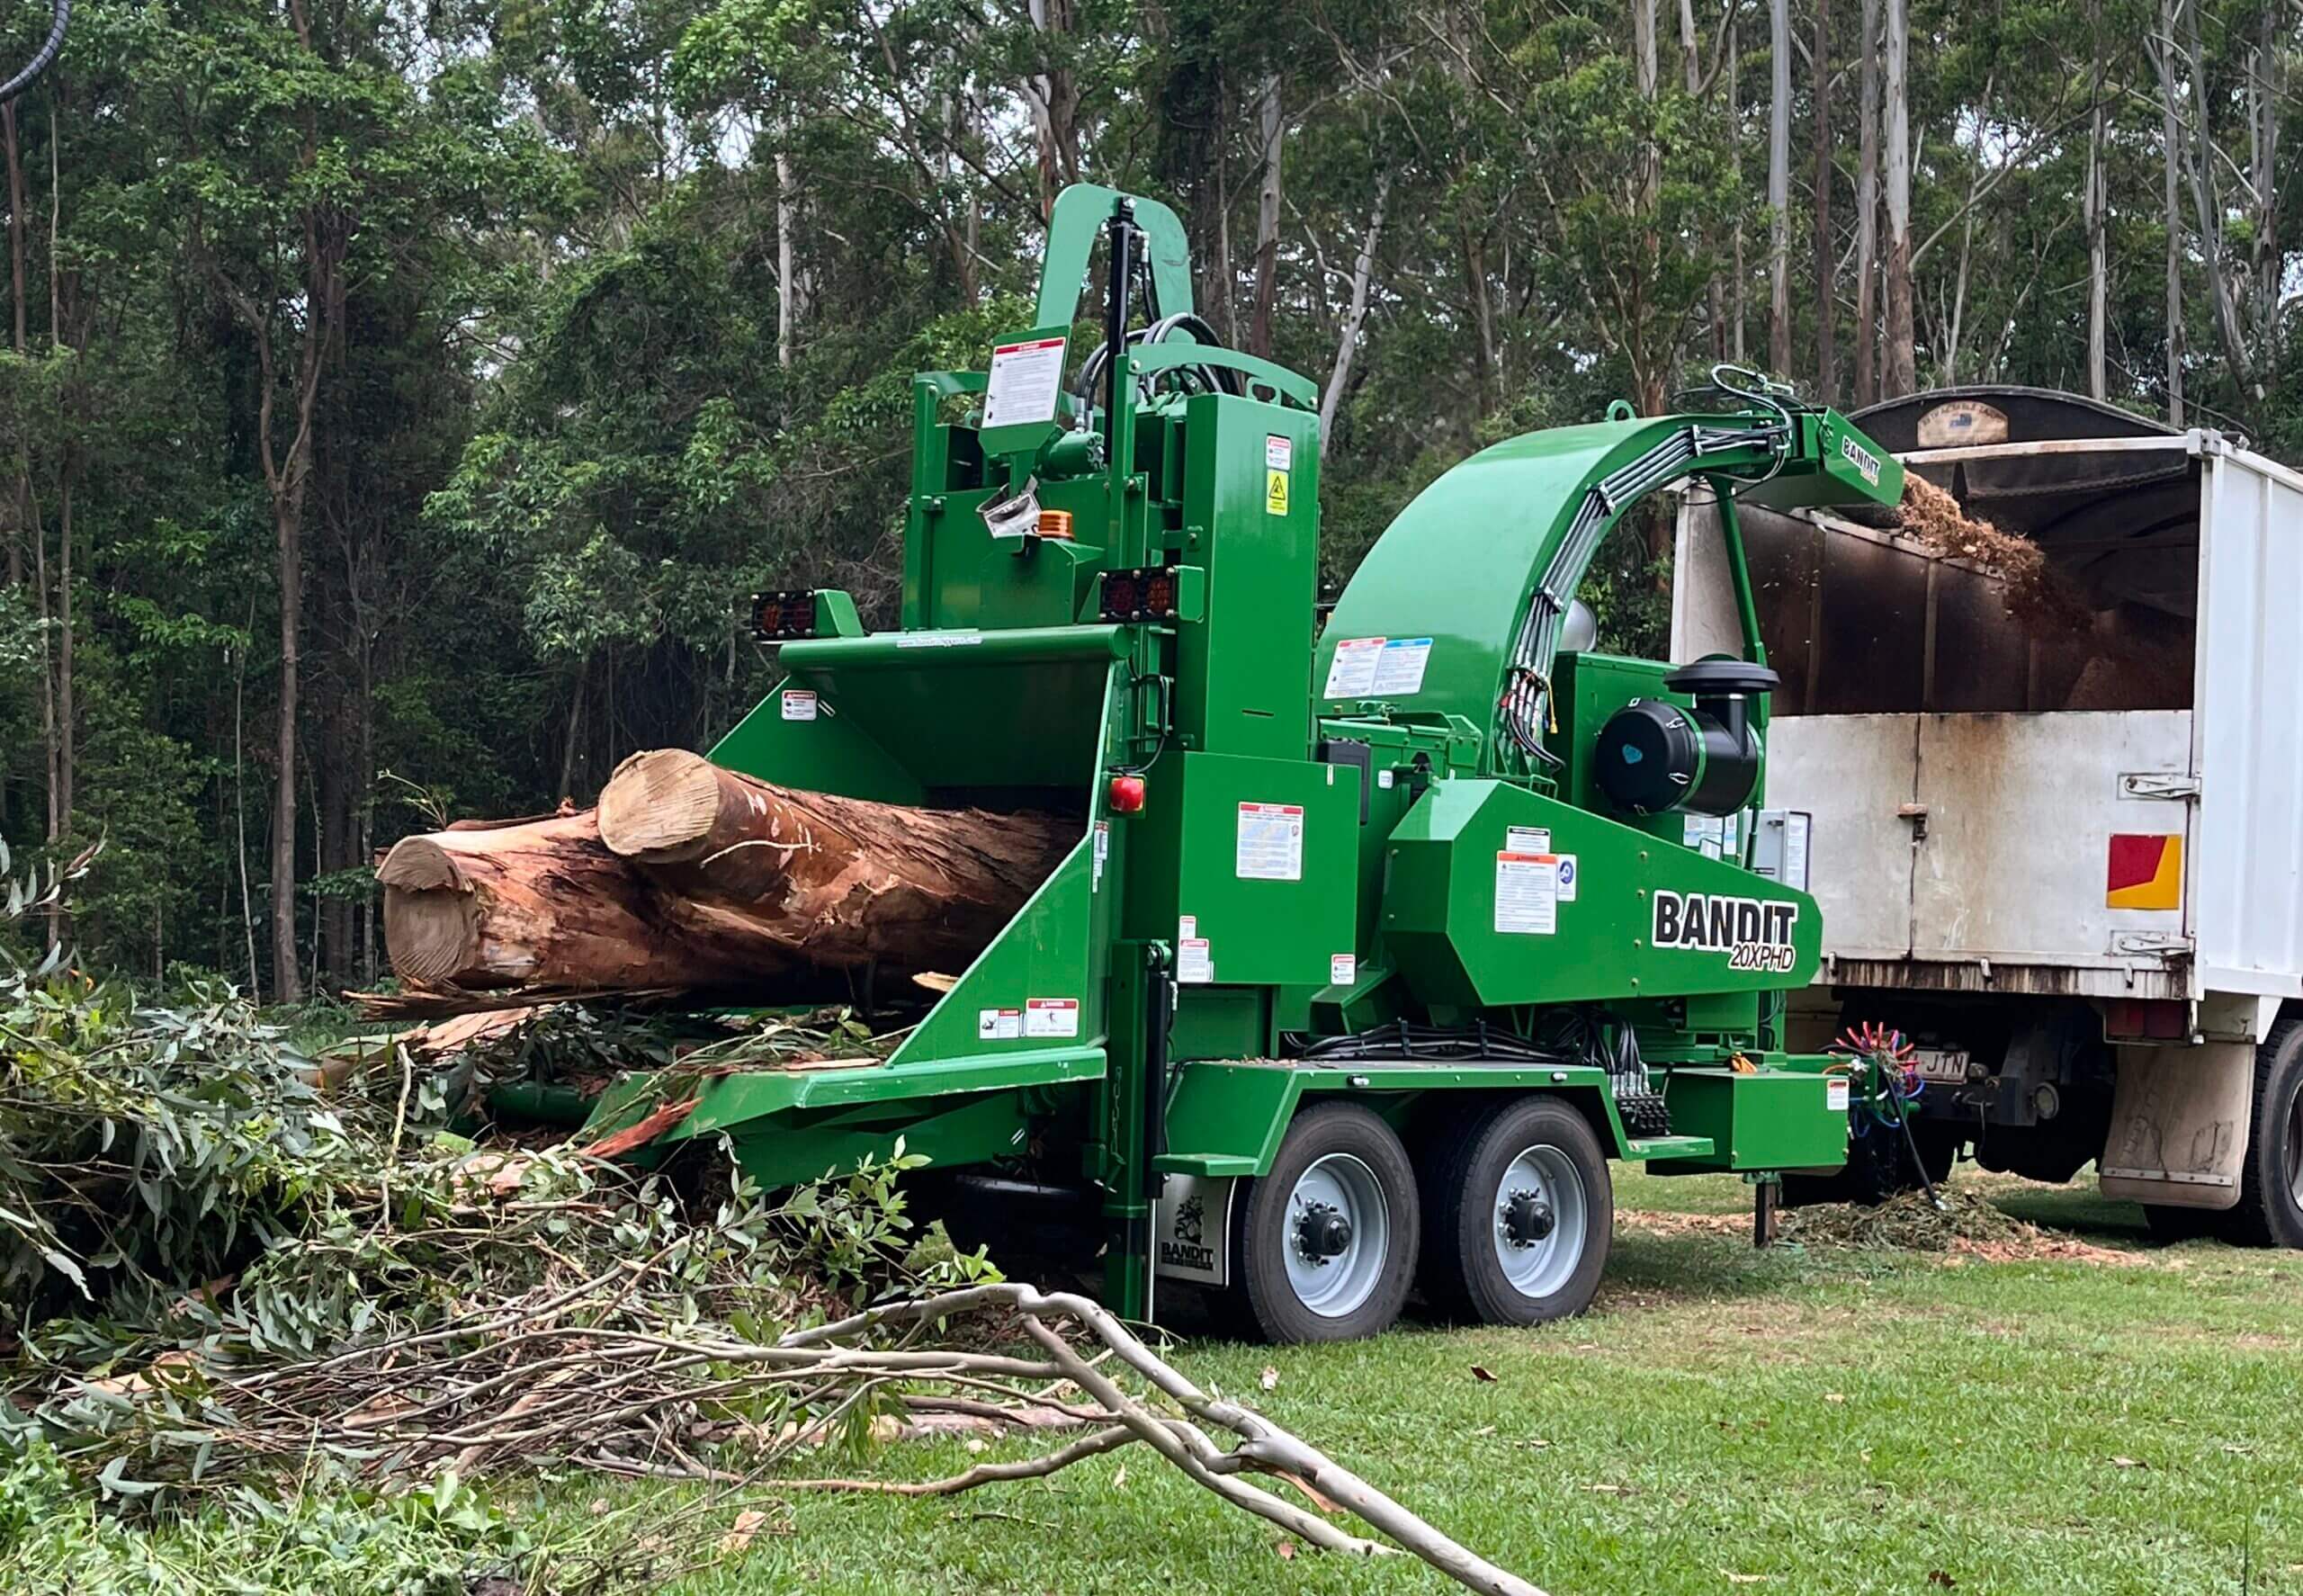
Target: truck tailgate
x,y
1997,852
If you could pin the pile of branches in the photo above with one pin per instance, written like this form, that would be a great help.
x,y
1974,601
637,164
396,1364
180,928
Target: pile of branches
x,y
259,1266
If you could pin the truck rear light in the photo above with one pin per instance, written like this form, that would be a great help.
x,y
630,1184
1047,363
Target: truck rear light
x,y
2147,1019
781,616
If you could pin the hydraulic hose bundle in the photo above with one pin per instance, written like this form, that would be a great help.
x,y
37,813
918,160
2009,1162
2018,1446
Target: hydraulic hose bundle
x,y
1883,1085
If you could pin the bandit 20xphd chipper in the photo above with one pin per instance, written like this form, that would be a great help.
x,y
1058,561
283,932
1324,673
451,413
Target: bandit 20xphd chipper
x,y
1376,949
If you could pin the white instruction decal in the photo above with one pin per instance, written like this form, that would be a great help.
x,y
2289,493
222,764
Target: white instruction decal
x,y
1702,833
1377,668
799,706
1271,842
1279,452
1025,378
1352,671
1051,1016
1399,667
1567,875
1526,894
1194,967
939,640
1103,850
1526,839
1343,968
1835,1095
998,1024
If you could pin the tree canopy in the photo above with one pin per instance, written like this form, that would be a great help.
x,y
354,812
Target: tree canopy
x,y
397,401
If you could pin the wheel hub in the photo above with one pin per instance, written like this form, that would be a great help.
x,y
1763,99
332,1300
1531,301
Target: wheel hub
x,y
1322,1233
1526,1218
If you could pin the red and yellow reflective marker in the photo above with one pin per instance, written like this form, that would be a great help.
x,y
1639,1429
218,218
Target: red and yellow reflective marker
x,y
2145,871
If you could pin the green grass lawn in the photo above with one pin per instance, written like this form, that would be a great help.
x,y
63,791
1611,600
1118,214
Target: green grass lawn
x,y
1724,1420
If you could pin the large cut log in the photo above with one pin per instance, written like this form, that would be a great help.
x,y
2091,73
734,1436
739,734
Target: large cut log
x,y
543,903
691,878
840,882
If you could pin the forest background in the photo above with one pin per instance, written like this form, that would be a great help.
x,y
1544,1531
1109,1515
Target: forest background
x,y
397,401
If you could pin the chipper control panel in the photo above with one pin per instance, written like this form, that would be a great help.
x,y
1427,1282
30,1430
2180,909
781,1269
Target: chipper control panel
x,y
1382,936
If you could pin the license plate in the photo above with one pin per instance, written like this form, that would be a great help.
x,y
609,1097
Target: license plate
x,y
1947,1064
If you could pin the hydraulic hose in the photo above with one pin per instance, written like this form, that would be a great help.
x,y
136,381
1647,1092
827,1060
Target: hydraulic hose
x,y
44,60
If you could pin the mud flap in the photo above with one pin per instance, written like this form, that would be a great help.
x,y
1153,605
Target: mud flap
x,y
2179,1125
1193,1231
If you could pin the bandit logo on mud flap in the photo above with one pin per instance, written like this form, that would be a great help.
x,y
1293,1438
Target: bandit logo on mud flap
x,y
1755,933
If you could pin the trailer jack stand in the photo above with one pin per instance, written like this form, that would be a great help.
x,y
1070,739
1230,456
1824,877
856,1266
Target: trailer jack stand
x,y
1767,1204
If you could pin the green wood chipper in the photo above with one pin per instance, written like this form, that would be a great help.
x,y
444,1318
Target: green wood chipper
x,y
1384,936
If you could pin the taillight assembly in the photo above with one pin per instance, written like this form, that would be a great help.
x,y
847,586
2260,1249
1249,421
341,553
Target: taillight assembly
x,y
780,617
1147,593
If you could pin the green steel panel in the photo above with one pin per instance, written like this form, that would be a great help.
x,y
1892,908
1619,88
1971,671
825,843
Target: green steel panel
x,y
972,709
828,753
1771,1120
1440,920
1185,859
1245,673
945,1131
1227,1119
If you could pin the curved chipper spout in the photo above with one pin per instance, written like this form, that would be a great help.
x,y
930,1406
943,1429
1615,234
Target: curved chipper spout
x,y
1479,571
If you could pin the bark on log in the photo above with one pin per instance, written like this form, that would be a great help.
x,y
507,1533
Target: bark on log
x,y
691,878
543,903
837,882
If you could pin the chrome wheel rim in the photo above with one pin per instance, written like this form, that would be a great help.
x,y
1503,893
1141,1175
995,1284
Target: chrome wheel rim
x,y
1330,1280
1545,1182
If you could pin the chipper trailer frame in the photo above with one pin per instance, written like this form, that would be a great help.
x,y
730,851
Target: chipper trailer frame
x,y
1376,946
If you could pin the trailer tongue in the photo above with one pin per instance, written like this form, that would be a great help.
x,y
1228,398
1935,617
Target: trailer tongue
x,y
1372,951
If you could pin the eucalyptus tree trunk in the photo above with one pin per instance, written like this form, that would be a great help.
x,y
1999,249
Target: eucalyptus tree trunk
x,y
788,286
1355,316
1902,356
1866,216
2170,147
1269,125
1778,188
1735,177
1826,274
2093,207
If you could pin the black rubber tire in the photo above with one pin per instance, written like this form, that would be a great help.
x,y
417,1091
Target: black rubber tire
x,y
2267,1215
1264,1299
1462,1167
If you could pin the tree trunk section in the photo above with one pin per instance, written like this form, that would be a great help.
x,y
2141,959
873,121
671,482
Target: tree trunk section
x,y
1826,284
1866,216
1902,356
287,979
1778,188
1267,124
1347,345
543,903
2170,146
831,881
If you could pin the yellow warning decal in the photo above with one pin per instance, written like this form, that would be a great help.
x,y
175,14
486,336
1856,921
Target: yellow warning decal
x,y
1275,493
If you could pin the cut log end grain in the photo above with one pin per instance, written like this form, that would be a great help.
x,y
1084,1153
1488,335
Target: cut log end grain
x,y
431,921
660,807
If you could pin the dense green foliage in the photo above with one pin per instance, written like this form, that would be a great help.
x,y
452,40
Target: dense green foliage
x,y
488,352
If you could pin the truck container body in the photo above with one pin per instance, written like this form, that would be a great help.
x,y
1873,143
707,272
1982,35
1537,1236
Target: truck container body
x,y
2053,811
